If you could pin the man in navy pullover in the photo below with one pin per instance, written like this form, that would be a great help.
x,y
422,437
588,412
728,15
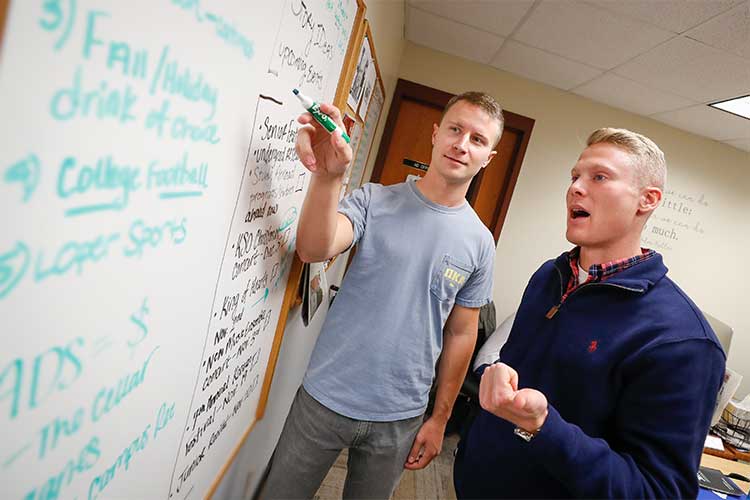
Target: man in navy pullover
x,y
608,380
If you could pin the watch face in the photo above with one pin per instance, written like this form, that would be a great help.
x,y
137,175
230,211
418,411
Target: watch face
x,y
525,435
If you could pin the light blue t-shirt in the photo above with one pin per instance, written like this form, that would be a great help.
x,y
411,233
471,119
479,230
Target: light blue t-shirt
x,y
376,355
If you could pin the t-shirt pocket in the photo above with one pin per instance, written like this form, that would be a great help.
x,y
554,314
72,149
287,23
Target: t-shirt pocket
x,y
449,277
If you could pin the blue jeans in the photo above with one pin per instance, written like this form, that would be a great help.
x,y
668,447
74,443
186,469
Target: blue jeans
x,y
312,439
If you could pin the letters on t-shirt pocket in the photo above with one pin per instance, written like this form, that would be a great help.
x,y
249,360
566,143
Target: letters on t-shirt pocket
x,y
449,277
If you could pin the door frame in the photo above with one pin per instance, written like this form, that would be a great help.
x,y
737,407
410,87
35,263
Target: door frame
x,y
438,98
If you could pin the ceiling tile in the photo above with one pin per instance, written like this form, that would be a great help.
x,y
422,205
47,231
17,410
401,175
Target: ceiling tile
x,y
707,121
542,66
690,69
454,38
587,34
674,15
729,31
631,96
493,16
743,144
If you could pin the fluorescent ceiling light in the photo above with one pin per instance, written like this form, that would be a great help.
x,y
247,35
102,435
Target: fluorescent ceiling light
x,y
739,106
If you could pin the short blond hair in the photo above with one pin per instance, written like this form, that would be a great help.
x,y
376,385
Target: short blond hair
x,y
648,159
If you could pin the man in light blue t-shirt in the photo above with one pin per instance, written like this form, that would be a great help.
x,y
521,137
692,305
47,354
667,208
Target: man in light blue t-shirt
x,y
422,270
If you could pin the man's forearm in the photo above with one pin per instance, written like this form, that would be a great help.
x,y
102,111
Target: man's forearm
x,y
454,362
316,230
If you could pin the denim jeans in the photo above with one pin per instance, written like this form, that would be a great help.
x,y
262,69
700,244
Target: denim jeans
x,y
312,438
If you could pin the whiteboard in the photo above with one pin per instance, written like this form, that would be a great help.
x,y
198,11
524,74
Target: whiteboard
x,y
150,195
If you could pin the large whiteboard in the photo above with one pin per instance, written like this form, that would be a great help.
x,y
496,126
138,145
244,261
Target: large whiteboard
x,y
150,195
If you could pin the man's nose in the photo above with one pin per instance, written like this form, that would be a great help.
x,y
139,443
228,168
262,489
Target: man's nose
x,y
460,143
577,187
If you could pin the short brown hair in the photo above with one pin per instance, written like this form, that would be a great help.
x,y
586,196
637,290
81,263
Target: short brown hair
x,y
484,101
648,159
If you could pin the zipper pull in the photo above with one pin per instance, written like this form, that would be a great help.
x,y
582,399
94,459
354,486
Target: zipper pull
x,y
552,311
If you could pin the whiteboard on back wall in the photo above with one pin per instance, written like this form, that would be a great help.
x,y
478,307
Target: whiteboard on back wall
x,y
150,194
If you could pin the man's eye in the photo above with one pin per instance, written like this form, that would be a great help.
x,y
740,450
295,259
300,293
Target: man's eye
x,y
599,177
573,178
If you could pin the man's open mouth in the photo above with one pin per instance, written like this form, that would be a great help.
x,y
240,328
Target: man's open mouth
x,y
578,212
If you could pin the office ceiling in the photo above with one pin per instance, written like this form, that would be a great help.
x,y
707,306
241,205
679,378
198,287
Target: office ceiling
x,y
665,59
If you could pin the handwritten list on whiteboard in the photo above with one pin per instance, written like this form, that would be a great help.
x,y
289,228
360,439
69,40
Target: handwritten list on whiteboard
x,y
150,194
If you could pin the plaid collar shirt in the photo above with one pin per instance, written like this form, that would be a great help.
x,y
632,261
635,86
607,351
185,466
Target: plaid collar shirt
x,y
601,272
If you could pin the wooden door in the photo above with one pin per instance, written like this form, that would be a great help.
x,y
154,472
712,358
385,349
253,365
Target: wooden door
x,y
411,141
406,147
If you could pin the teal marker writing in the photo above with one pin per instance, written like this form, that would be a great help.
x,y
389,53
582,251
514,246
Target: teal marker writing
x,y
320,117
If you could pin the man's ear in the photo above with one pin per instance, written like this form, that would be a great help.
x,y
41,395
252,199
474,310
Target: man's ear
x,y
489,158
649,200
435,128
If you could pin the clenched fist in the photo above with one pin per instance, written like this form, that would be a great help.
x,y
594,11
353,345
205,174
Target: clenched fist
x,y
499,395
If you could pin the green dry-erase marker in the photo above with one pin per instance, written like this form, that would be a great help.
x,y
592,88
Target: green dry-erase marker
x,y
320,117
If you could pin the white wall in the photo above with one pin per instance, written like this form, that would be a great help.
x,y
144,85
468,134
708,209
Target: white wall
x,y
711,267
243,477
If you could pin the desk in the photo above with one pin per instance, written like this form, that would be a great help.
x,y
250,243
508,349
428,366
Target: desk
x,y
727,466
729,452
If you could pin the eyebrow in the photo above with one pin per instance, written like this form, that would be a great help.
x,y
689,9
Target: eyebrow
x,y
606,168
596,166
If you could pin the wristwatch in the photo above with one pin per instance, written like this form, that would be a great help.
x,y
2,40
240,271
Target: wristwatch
x,y
524,434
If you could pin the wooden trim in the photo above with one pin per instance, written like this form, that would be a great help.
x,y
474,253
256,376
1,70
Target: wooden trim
x,y
473,191
525,125
379,76
363,118
3,19
230,460
290,295
352,54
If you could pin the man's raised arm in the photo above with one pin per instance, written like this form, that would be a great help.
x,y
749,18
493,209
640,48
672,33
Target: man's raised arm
x,y
322,232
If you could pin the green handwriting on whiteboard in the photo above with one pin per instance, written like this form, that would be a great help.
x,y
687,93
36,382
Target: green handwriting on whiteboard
x,y
78,179
343,24
120,54
101,103
169,75
222,28
86,458
181,128
111,396
144,235
50,371
25,385
13,266
178,80
56,16
89,455
139,319
77,255
119,104
121,464
60,427
26,173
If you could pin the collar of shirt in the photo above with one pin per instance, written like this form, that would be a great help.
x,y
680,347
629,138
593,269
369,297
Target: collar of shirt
x,y
600,272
